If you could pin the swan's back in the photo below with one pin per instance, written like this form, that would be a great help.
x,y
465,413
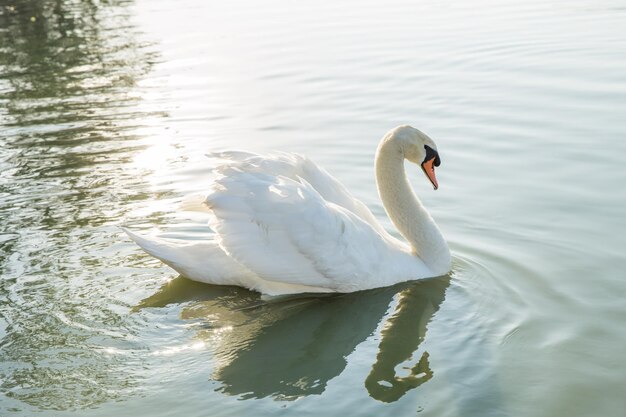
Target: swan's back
x,y
295,167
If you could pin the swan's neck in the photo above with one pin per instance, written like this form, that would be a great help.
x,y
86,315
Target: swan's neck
x,y
406,211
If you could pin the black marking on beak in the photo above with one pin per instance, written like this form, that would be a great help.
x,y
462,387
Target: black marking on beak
x,y
430,154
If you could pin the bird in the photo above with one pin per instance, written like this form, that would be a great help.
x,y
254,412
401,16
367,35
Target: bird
x,y
283,225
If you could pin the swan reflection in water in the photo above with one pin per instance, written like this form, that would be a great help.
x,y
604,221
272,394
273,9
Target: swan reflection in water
x,y
290,347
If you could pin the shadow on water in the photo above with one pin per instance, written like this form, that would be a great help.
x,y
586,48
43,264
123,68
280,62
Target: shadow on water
x,y
287,348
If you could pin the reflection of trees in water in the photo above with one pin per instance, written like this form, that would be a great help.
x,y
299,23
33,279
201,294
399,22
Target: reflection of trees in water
x,y
292,347
59,48
66,70
43,39
68,66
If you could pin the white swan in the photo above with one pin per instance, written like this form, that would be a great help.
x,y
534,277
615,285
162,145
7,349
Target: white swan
x,y
283,225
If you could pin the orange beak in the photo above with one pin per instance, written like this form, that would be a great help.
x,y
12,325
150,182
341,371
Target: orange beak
x,y
429,170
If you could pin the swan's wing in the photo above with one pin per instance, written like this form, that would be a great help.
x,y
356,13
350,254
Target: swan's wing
x,y
284,230
294,167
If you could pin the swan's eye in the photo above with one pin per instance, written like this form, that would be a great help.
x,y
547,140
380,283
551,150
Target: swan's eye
x,y
430,154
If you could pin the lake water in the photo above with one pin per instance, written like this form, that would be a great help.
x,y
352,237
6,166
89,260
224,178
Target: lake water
x,y
106,110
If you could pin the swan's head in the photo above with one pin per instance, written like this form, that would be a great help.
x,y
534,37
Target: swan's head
x,y
418,148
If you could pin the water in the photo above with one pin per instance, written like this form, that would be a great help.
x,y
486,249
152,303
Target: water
x,y
106,109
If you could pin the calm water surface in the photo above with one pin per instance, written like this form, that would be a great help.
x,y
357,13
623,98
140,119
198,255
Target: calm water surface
x,y
106,110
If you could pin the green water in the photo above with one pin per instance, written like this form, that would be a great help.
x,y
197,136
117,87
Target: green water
x,y
106,110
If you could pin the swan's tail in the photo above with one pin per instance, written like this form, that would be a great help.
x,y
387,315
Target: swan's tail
x,y
200,261
154,246
207,262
